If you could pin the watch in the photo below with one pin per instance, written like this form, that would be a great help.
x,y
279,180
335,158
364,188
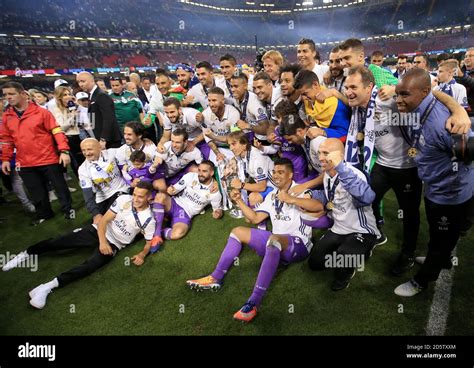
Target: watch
x,y
242,185
65,152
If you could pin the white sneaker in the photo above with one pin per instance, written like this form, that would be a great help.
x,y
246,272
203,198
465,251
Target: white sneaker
x,y
409,288
52,196
72,190
420,260
38,296
17,260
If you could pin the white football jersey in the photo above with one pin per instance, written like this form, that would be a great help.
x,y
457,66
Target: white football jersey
x,y
221,127
311,148
187,121
103,176
348,218
174,162
193,196
123,153
256,165
123,228
459,93
392,148
320,70
286,218
200,93
252,111
276,98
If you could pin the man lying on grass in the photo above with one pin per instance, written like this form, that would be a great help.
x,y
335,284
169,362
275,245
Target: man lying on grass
x,y
127,217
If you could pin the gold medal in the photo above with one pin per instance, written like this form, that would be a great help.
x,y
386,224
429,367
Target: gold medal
x,y
330,205
412,151
360,136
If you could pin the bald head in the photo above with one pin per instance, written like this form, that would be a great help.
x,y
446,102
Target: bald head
x,y
333,144
330,153
412,89
90,148
85,81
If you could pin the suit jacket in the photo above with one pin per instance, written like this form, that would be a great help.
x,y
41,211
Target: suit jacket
x,y
101,108
142,96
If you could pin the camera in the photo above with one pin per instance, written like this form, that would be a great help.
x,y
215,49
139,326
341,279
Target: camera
x,y
463,147
258,60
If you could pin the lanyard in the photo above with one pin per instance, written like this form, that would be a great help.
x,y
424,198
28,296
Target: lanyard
x,y
246,162
229,88
416,134
140,149
243,107
332,191
342,83
137,220
277,204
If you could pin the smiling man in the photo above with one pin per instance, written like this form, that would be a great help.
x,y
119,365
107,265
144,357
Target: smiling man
x,y
447,178
288,242
100,178
117,229
373,128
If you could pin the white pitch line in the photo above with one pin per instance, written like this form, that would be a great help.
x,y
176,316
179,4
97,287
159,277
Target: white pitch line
x,y
439,310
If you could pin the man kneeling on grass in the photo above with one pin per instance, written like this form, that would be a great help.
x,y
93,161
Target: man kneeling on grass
x,y
117,228
289,242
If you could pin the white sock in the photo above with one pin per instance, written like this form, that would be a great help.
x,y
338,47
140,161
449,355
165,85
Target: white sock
x,y
53,283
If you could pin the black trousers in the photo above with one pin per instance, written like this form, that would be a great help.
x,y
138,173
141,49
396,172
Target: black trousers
x,y
105,205
77,158
354,244
445,223
36,181
408,189
85,238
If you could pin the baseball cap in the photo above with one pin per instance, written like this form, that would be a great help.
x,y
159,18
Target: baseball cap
x,y
81,95
60,82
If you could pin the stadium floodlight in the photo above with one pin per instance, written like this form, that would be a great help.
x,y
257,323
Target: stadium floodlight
x,y
307,3
51,37
327,1
249,3
32,36
18,35
114,39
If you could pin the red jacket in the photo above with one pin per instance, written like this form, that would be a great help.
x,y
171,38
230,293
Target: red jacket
x,y
36,136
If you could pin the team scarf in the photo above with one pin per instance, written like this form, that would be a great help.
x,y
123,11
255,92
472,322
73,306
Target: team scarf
x,y
359,152
447,87
102,171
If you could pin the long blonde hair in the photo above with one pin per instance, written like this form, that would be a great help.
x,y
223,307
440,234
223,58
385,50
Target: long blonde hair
x,y
58,95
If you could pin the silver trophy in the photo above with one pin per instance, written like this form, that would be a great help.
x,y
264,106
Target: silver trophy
x,y
229,170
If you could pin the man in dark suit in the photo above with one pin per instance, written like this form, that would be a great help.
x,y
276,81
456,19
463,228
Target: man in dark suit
x,y
101,108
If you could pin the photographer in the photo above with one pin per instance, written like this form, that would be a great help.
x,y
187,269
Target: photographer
x,y
66,113
447,176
